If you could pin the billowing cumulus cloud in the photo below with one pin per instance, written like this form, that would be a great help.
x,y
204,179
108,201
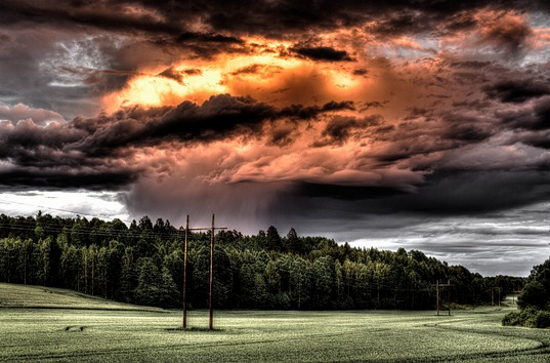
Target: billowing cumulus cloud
x,y
339,117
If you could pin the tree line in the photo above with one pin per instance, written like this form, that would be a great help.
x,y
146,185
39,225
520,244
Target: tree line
x,y
143,264
534,300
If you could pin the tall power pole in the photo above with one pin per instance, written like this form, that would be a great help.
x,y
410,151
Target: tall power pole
x,y
185,253
448,286
449,296
211,321
437,296
185,244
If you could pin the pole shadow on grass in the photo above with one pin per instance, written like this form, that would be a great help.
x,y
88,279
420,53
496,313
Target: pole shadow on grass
x,y
195,329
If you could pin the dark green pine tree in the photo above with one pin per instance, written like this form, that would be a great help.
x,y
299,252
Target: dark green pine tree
x,y
149,290
292,242
169,290
274,242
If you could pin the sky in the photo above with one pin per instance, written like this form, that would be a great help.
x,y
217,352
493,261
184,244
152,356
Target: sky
x,y
422,124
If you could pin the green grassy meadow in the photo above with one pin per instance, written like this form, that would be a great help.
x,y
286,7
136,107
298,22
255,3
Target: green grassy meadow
x,y
89,333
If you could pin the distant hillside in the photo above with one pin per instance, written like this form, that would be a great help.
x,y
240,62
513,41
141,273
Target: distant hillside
x,y
27,296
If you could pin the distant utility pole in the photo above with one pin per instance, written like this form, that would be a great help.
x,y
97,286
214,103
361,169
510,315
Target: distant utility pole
x,y
437,296
185,251
493,295
447,285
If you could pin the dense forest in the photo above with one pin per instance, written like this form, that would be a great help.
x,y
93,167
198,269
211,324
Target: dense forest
x,y
143,263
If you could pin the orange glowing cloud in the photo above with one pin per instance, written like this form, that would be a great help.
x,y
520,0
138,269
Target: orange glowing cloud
x,y
268,73
158,90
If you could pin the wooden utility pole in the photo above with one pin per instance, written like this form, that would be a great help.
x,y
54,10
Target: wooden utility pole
x,y
449,296
447,285
493,295
185,244
437,296
185,252
211,321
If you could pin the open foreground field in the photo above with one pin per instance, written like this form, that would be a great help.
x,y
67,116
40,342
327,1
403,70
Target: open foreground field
x,y
86,335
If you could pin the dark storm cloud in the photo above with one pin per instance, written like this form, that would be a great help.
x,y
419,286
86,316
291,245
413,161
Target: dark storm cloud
x,y
106,15
473,192
517,91
467,132
371,104
100,143
360,72
339,129
344,192
532,118
390,17
56,179
425,131
444,193
207,37
398,23
308,112
322,53
536,139
28,135
179,76
203,45
466,128
269,18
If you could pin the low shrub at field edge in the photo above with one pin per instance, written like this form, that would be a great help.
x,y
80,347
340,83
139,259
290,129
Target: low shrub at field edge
x,y
530,317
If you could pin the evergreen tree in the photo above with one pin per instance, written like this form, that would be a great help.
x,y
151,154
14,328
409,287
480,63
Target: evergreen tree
x,y
292,242
169,291
150,286
274,239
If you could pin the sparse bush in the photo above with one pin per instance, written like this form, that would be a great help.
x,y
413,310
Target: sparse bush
x,y
530,317
541,319
534,300
512,319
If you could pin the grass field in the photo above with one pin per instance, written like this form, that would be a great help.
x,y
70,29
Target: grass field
x,y
82,335
28,296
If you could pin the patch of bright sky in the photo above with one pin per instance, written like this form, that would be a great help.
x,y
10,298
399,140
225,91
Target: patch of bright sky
x,y
104,205
72,62
407,48
519,237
